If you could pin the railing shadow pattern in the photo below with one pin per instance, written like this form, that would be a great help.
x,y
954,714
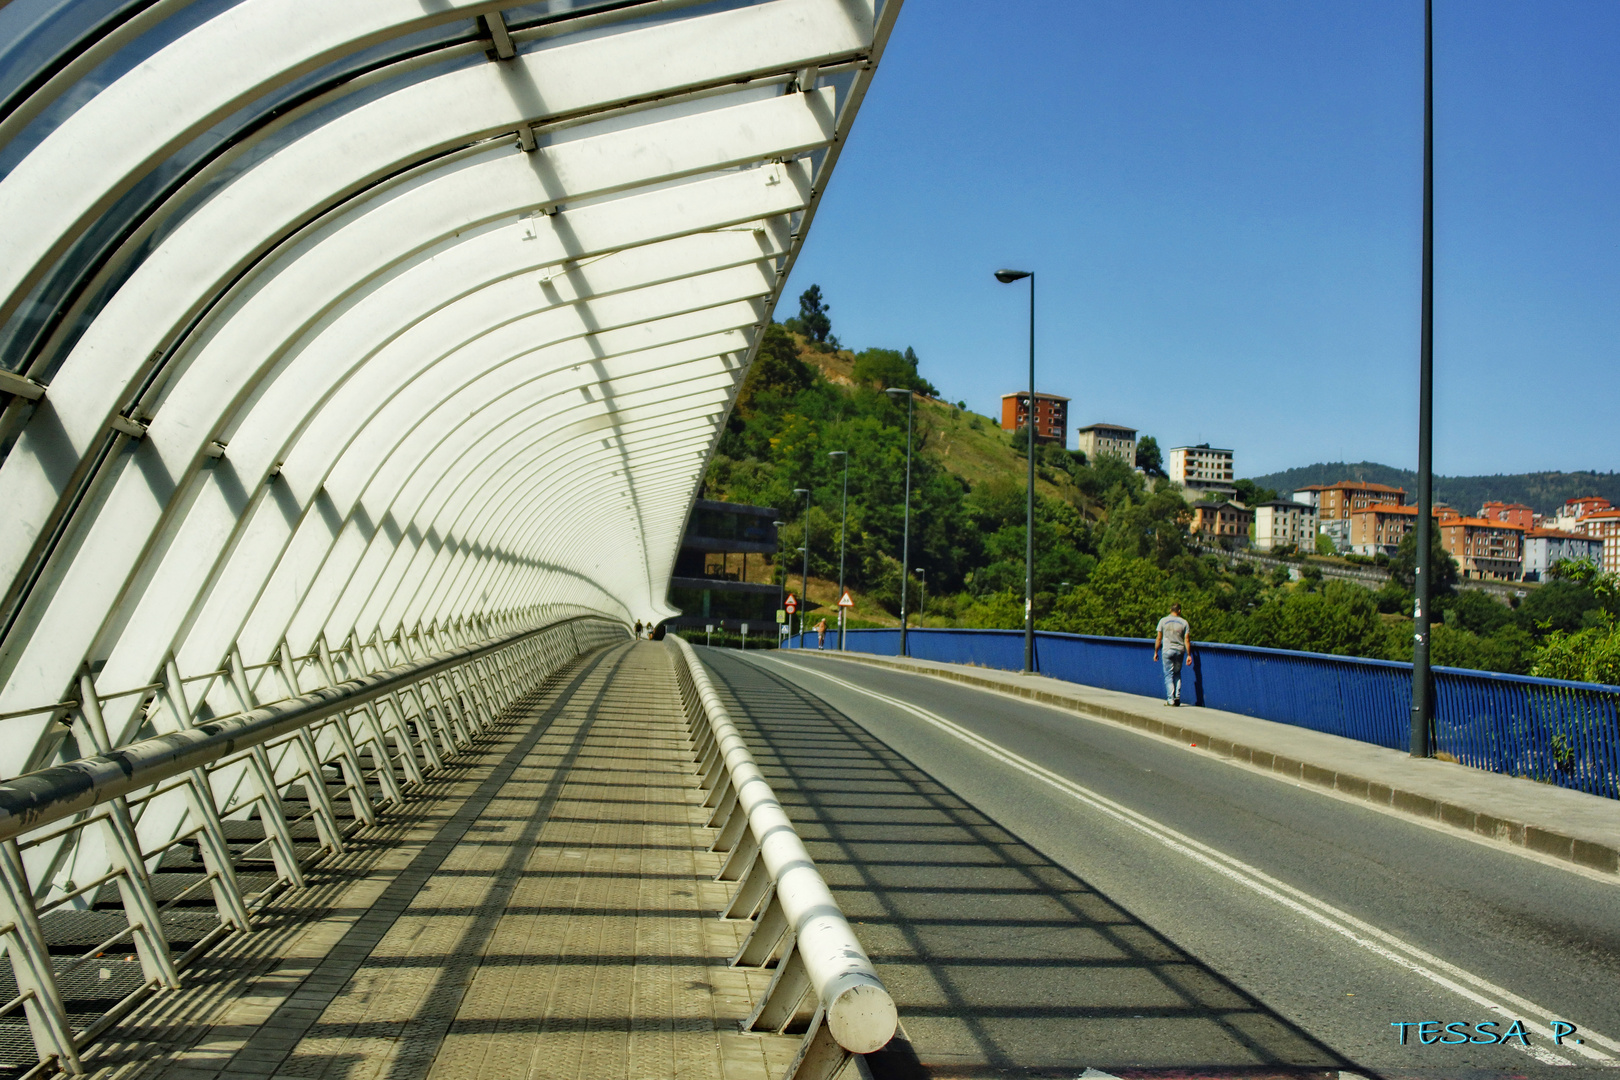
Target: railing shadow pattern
x,y
1001,961
1556,732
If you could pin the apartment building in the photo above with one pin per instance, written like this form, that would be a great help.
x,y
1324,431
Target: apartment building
x,y
1379,528
1484,549
1568,518
1605,525
1051,416
1512,513
1202,469
1336,502
1283,523
1543,547
1222,520
1107,440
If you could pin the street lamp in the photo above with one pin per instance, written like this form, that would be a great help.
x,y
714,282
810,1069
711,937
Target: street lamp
x,y
1007,277
804,585
922,608
843,521
1422,685
905,542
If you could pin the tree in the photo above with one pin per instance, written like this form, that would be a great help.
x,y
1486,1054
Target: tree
x,y
1403,567
813,318
1590,655
1148,456
777,368
1251,494
883,368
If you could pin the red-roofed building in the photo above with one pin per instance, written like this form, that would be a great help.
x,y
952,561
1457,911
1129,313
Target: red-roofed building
x,y
1378,529
1485,549
1512,513
1605,525
1569,518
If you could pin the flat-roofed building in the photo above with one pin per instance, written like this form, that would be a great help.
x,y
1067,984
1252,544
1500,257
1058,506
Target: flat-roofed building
x,y
1284,523
1051,415
1605,525
1202,469
1335,502
1543,547
1107,440
1222,520
710,583
1484,549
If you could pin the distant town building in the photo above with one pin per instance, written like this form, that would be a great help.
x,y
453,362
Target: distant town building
x,y
1335,502
1051,416
1484,549
1605,525
1568,519
1282,522
1512,513
1379,528
1107,440
710,581
1202,469
1543,547
1222,520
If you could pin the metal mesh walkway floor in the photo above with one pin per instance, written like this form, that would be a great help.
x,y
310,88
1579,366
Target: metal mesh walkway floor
x,y
545,909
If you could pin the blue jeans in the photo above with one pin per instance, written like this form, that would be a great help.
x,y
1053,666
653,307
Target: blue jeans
x,y
1172,674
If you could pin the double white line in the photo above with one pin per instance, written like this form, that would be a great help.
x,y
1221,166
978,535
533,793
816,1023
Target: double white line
x,y
1465,984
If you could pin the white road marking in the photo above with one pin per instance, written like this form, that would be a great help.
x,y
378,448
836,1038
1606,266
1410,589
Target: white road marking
x,y
1465,984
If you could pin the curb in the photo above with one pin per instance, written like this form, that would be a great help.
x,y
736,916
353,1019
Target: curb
x,y
1588,853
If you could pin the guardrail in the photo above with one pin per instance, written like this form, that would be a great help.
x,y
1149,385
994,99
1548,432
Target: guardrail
x,y
1557,732
796,920
228,809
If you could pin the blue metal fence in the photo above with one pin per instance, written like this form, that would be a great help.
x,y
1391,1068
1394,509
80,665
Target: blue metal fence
x,y
1563,733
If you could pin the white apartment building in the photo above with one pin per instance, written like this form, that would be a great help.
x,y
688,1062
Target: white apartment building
x,y
1202,468
1107,440
1543,547
1283,522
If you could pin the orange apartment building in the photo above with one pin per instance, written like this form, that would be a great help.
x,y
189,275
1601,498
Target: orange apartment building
x,y
1484,548
1222,520
1051,416
1512,513
1605,525
1379,528
1335,502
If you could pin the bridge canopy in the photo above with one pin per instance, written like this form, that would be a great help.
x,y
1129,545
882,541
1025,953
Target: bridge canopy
x,y
323,320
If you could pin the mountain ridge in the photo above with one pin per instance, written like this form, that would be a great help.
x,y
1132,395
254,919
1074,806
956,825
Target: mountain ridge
x,y
1544,492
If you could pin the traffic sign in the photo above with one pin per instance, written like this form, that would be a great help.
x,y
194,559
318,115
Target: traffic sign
x,y
791,603
845,601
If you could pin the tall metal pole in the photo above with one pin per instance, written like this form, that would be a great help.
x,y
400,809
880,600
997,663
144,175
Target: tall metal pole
x,y
1422,683
804,582
843,526
1029,517
905,542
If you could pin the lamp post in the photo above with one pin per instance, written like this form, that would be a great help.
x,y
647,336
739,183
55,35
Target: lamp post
x,y
804,582
922,608
843,521
905,542
1423,583
1007,277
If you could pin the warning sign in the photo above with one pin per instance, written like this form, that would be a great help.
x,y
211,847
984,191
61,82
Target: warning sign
x,y
845,601
791,604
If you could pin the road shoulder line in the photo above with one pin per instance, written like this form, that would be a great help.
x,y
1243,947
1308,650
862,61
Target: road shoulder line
x,y
1602,855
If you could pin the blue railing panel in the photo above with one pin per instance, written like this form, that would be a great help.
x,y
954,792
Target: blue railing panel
x,y
1562,733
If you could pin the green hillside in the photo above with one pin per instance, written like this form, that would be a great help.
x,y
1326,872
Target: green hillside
x,y
1544,492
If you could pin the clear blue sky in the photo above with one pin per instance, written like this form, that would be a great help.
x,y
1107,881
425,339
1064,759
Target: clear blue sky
x,y
1222,201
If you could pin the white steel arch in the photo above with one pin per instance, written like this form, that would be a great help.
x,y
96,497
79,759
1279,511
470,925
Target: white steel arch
x,y
443,330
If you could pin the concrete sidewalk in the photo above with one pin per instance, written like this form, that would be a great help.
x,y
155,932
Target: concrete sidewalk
x,y
1564,824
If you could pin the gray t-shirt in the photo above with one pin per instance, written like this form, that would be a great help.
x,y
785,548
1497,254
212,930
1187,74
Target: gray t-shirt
x,y
1174,630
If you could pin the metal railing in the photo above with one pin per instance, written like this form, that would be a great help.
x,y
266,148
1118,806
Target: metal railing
x,y
1557,732
797,923
152,851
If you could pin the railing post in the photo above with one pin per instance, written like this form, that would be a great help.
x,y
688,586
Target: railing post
x,y
320,800
276,830
32,968
374,736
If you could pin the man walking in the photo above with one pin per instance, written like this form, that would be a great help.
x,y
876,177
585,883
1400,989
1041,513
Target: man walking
x,y
821,634
1174,639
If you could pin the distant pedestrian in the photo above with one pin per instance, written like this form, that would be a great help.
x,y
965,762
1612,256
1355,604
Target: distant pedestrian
x,y
1173,639
821,634
638,629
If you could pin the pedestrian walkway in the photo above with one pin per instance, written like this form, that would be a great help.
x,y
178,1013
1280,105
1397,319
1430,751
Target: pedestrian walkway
x,y
1568,825
1002,962
546,908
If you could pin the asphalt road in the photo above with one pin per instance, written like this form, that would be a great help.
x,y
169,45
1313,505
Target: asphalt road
x,y
1328,921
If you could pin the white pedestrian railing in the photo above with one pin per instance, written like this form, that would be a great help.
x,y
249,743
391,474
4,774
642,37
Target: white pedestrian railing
x,y
120,867
797,923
